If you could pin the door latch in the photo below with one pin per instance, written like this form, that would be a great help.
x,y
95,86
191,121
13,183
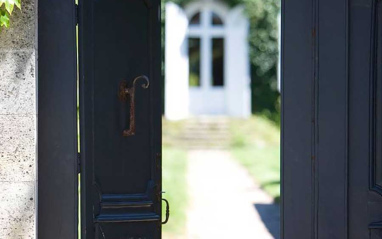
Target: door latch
x,y
125,91
167,211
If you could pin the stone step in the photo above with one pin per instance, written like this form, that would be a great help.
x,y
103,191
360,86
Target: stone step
x,y
204,136
205,148
204,142
198,129
204,145
205,133
206,128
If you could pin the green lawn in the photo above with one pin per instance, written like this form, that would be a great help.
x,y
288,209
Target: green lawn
x,y
175,185
256,145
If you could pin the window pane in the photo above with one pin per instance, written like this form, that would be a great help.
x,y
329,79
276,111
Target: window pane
x,y
194,61
195,20
216,20
218,61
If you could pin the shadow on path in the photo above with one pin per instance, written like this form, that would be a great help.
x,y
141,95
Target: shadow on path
x,y
270,215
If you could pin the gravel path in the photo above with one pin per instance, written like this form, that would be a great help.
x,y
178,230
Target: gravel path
x,y
225,202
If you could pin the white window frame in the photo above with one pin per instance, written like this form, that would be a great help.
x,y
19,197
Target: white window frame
x,y
205,31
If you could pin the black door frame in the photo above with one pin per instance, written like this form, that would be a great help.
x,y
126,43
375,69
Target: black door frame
x,y
57,125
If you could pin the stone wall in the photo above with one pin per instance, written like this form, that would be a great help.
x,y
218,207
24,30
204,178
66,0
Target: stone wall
x,y
18,114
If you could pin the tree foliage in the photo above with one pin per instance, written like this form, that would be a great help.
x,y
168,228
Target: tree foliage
x,y
6,9
263,42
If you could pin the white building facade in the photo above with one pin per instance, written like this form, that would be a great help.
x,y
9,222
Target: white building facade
x,y
207,61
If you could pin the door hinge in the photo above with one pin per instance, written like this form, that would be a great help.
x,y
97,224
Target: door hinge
x,y
77,14
78,163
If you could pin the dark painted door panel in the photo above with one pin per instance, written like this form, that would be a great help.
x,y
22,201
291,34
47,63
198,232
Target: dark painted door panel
x,y
332,119
121,175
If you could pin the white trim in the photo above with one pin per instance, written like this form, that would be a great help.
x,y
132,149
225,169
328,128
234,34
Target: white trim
x,y
219,8
177,72
213,32
237,64
205,54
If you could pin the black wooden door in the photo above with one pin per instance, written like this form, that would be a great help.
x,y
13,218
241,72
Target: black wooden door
x,y
332,119
120,118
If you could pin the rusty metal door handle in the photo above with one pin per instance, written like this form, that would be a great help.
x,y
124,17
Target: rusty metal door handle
x,y
125,91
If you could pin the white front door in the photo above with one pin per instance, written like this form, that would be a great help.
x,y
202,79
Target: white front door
x,y
206,47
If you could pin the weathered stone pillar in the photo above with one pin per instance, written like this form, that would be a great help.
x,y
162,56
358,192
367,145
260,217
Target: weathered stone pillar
x,y
18,114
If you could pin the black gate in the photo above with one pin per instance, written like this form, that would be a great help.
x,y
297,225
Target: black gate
x,y
331,122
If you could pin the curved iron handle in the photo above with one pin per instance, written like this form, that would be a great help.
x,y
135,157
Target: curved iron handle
x,y
123,92
167,211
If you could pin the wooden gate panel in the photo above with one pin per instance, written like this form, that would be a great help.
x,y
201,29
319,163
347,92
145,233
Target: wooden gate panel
x,y
342,161
297,115
120,118
331,118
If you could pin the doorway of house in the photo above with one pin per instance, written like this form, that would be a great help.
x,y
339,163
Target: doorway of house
x,y
221,131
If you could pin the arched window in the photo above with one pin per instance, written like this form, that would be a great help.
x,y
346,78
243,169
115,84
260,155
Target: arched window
x,y
195,20
216,20
206,49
